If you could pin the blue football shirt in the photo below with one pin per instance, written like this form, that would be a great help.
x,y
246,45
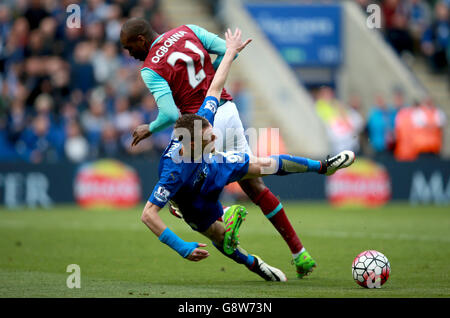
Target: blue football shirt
x,y
196,186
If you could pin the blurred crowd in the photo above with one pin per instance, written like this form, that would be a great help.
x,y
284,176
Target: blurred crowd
x,y
390,128
417,28
414,29
72,93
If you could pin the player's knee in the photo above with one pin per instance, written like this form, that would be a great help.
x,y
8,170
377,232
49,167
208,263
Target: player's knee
x,y
218,236
216,233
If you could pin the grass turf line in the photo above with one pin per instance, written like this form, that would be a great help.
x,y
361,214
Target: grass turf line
x,y
120,257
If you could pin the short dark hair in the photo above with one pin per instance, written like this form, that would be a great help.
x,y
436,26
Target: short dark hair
x,y
187,122
136,26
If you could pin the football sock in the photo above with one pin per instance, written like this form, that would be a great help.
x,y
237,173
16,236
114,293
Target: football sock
x,y
294,255
273,210
239,255
288,164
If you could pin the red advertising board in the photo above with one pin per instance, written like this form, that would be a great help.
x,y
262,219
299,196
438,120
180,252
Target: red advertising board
x,y
364,183
107,183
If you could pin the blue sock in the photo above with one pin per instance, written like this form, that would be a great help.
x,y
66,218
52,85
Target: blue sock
x,y
239,255
288,164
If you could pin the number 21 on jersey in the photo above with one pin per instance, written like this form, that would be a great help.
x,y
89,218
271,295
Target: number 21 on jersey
x,y
194,78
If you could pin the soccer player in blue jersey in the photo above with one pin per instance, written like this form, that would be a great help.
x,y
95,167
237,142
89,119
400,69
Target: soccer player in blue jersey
x,y
192,175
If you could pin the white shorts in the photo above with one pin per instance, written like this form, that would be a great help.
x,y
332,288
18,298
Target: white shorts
x,y
229,130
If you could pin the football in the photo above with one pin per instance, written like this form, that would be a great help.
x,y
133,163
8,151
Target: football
x,y
371,269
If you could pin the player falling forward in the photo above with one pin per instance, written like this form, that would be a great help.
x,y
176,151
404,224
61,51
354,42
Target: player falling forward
x,y
178,71
193,175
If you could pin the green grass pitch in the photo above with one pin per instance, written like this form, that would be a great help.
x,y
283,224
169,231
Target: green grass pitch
x,y
120,257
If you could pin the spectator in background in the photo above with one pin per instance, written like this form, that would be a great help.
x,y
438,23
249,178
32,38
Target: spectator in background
x,y
82,76
398,102
4,100
363,4
147,112
41,143
404,129
380,126
148,109
113,23
357,116
109,144
94,120
436,39
136,91
418,130
60,82
97,10
17,121
43,105
95,34
355,112
342,124
35,13
428,121
148,8
54,74
68,113
123,120
122,117
7,152
76,147
17,41
121,81
419,17
5,24
398,35
72,37
389,9
106,62
47,30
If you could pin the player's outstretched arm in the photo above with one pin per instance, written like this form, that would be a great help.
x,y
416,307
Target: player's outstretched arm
x,y
234,46
188,250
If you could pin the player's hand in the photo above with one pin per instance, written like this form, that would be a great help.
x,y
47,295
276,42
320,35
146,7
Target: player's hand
x,y
234,41
198,254
141,132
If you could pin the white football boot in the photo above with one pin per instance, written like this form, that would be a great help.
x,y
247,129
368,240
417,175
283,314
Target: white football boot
x,y
267,272
342,160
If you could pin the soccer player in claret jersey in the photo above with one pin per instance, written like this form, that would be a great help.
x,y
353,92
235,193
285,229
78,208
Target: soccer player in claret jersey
x,y
178,71
192,175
